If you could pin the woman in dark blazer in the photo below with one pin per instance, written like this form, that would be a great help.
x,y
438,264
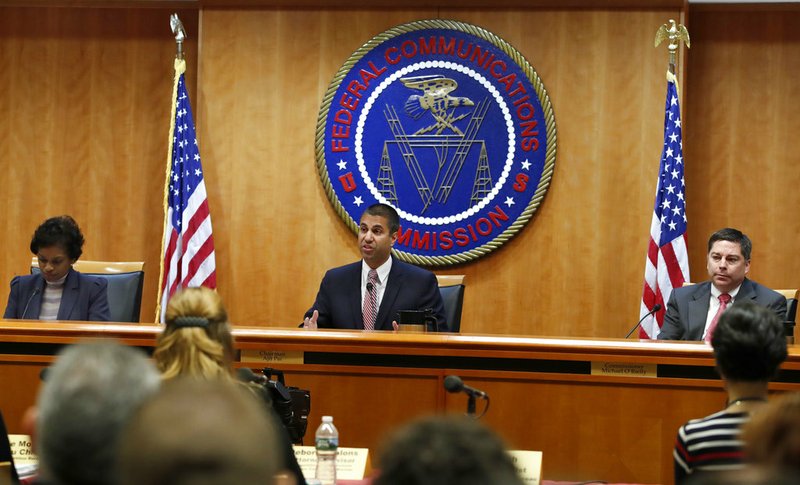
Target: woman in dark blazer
x,y
58,292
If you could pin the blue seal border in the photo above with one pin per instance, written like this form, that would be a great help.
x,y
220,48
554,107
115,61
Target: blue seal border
x,y
541,93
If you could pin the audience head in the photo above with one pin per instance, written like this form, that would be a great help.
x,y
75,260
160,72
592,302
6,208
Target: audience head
x,y
57,243
772,437
749,343
446,451
200,432
197,339
89,395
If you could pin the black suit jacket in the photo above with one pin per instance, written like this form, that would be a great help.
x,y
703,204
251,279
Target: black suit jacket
x,y
84,298
687,309
409,288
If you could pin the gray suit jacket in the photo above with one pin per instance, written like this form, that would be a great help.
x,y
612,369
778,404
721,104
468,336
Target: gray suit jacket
x,y
687,308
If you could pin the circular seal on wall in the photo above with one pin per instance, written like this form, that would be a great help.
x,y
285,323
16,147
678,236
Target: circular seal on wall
x,y
447,123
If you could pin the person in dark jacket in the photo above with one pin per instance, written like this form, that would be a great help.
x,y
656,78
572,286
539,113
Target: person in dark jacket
x,y
58,292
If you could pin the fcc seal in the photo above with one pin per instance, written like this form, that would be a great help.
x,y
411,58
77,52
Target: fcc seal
x,y
447,123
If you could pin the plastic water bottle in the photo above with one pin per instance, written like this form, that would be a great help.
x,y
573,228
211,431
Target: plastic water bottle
x,y
327,441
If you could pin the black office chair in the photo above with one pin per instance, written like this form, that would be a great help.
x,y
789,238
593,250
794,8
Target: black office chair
x,y
451,287
791,311
125,282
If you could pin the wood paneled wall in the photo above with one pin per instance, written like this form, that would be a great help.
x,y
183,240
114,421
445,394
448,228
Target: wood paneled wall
x,y
742,120
85,103
85,99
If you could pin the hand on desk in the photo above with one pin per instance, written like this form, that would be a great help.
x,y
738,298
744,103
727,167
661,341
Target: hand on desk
x,y
311,322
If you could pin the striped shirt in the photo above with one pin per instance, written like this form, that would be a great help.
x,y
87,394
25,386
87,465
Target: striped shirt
x,y
709,444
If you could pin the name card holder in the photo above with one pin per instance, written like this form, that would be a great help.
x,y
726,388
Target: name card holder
x,y
529,465
351,463
272,356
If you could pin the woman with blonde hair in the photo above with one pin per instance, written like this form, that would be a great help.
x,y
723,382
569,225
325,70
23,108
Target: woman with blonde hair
x,y
197,342
197,339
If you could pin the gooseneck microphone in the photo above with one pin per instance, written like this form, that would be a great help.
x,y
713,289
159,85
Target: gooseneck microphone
x,y
656,308
25,310
455,384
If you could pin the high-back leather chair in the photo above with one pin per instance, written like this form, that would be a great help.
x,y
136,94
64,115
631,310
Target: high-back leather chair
x,y
125,282
451,287
791,311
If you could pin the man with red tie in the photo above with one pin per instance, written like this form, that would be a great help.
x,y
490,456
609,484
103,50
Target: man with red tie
x,y
368,294
693,311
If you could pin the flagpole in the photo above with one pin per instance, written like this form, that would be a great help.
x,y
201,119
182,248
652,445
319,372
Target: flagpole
x,y
667,262
180,68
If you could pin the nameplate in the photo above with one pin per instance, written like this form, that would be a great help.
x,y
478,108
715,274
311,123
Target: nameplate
x,y
272,356
351,463
22,450
529,465
624,369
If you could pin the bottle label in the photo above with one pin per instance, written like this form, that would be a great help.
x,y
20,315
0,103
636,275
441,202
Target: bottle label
x,y
327,444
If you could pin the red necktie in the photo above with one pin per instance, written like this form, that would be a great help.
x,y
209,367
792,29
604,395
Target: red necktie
x,y
724,299
370,311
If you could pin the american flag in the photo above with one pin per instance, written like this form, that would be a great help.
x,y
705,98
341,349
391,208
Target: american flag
x,y
667,264
188,242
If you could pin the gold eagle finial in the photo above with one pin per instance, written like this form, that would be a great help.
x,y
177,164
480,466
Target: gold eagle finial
x,y
674,33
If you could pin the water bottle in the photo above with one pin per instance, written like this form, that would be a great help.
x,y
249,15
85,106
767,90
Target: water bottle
x,y
327,441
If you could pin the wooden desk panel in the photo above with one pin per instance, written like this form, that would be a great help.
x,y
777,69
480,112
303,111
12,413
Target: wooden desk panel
x,y
543,395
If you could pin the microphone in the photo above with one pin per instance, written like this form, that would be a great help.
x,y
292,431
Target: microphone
x,y
656,308
369,287
25,310
247,375
455,384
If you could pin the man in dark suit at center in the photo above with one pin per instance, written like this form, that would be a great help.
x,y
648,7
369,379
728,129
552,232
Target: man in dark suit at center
x,y
368,294
693,311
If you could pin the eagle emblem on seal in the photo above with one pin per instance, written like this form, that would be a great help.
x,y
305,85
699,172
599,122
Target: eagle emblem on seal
x,y
436,98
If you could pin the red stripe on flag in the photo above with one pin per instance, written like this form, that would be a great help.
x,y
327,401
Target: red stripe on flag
x,y
211,281
652,252
168,252
195,221
673,265
197,259
648,296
